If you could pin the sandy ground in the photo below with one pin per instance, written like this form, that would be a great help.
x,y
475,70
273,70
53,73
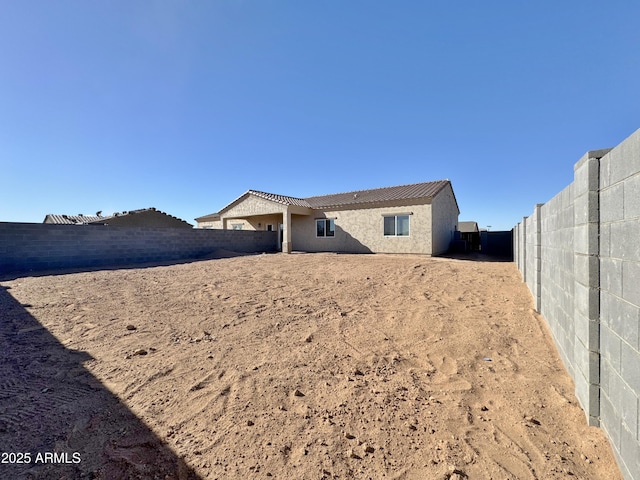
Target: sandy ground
x,y
305,366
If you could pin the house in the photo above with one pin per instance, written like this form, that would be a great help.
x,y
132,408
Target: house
x,y
79,219
470,233
417,218
145,217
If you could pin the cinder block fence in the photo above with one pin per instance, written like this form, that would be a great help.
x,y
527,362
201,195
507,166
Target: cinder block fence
x,y
579,254
38,246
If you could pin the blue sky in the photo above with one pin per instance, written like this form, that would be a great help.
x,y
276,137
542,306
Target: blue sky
x,y
185,105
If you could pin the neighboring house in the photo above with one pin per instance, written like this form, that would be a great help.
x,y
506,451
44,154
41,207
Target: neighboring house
x,y
417,218
470,233
79,219
145,217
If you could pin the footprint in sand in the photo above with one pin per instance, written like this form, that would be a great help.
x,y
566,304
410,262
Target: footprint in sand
x,y
446,375
515,457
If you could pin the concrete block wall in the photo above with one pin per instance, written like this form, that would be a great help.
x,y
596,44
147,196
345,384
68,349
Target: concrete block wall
x,y
532,247
35,246
519,251
586,241
556,269
619,262
586,306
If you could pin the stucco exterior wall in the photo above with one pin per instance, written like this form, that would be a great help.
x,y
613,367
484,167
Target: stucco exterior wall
x,y
361,231
216,224
445,220
254,223
252,213
252,205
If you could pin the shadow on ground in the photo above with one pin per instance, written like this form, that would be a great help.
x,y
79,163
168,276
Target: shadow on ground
x,y
477,257
58,421
215,255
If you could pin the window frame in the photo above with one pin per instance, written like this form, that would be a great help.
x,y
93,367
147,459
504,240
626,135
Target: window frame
x,y
395,217
325,229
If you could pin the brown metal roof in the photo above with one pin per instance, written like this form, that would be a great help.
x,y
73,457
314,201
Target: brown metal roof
x,y
376,195
300,202
273,197
358,197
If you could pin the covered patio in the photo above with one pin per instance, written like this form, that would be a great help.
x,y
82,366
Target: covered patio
x,y
280,222
259,211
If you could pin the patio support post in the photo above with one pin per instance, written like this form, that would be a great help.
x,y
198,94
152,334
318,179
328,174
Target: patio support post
x,y
286,234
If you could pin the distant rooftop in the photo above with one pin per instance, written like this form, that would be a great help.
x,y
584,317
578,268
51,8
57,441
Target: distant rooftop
x,y
468,227
79,219
82,219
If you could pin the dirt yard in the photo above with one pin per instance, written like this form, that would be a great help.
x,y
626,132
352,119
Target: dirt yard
x,y
305,366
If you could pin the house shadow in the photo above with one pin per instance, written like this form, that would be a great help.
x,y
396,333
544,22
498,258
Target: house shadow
x,y
58,421
494,246
351,244
214,255
342,243
477,257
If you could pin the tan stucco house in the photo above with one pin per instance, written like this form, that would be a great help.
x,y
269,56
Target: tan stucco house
x,y
417,218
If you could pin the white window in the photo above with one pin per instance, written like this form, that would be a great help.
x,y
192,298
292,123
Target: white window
x,y
325,227
396,225
236,226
